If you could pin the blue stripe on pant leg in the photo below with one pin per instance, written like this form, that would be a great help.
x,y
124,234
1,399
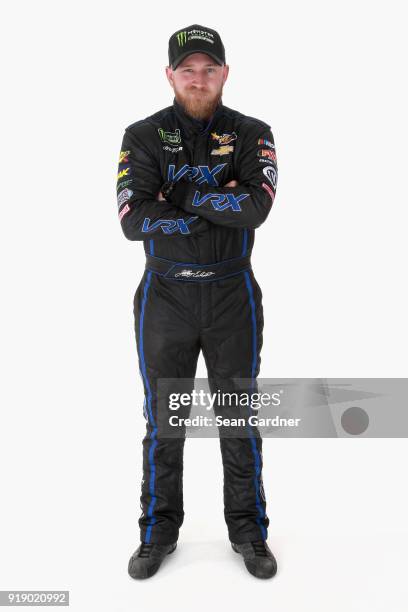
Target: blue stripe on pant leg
x,y
151,420
151,486
255,451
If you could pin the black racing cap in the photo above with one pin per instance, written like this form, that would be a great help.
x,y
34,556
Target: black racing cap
x,y
195,39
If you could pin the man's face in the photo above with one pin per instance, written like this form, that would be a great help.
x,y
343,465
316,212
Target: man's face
x,y
197,82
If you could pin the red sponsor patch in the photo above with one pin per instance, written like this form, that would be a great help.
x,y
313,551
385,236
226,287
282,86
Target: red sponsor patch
x,y
267,153
269,190
123,212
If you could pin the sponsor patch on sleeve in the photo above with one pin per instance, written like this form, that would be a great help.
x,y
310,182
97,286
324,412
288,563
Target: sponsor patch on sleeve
x,y
123,212
266,143
123,157
269,190
124,172
267,153
124,196
123,184
271,175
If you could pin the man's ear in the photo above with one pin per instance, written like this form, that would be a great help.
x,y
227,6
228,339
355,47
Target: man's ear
x,y
169,75
226,72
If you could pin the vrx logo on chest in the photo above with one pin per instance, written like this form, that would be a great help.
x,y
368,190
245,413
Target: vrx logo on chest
x,y
197,174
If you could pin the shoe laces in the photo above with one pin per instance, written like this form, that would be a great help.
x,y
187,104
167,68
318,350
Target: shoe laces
x,y
260,548
145,549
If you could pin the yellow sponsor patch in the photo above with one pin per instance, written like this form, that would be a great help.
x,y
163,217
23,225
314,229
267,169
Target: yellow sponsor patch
x,y
223,150
224,139
123,155
123,173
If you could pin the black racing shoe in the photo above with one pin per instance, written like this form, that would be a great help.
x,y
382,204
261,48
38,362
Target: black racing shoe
x,y
258,558
147,559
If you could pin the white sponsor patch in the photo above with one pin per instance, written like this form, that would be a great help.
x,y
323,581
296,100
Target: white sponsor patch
x,y
271,175
124,196
172,149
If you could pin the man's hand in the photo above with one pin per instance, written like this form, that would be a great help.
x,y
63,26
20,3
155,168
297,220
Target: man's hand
x,y
160,197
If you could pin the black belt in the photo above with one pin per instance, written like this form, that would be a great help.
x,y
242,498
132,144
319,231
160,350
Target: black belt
x,y
177,270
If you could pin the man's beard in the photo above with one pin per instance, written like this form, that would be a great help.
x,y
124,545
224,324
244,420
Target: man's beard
x,y
198,104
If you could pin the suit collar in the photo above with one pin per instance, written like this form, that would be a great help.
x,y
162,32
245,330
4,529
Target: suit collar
x,y
196,125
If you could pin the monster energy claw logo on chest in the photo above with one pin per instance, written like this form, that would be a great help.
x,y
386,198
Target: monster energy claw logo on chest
x,y
170,137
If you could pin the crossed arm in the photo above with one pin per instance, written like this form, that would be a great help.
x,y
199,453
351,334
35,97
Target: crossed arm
x,y
243,202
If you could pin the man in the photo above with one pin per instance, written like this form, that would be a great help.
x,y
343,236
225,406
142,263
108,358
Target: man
x,y
195,180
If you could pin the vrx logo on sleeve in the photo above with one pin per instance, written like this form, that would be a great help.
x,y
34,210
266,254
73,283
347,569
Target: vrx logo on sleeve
x,y
168,226
197,174
220,201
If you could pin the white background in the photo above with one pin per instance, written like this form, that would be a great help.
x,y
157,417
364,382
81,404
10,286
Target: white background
x,y
329,77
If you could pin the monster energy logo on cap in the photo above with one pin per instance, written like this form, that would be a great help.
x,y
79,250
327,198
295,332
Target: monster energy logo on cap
x,y
182,38
195,39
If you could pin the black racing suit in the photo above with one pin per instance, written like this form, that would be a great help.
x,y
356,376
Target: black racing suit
x,y
198,291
